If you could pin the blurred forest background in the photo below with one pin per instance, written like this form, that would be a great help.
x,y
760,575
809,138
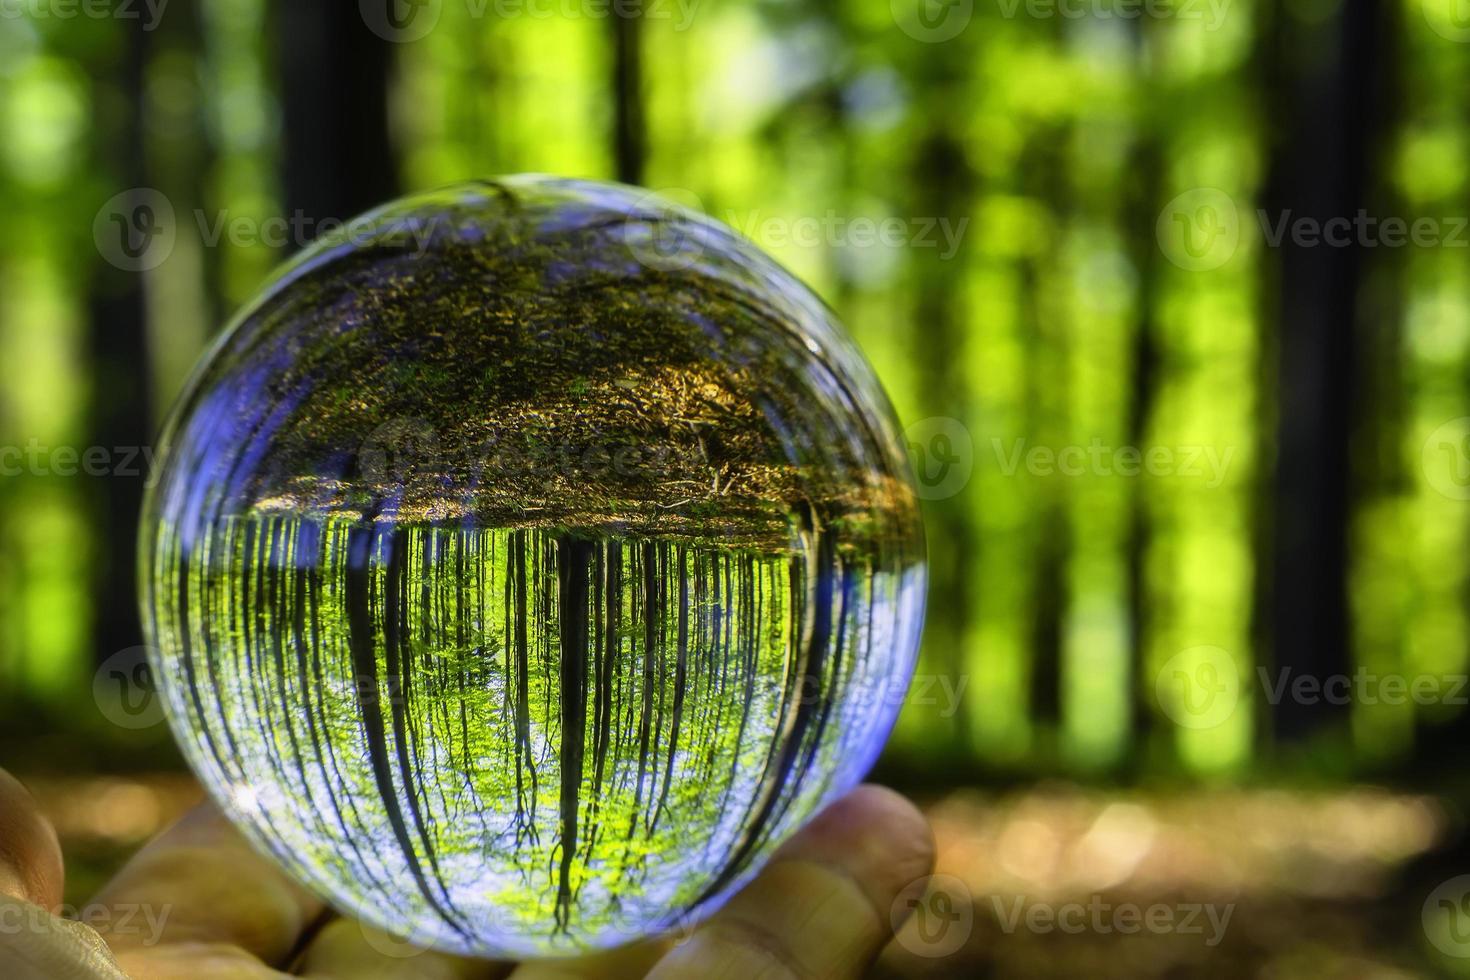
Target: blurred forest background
x,y
1175,449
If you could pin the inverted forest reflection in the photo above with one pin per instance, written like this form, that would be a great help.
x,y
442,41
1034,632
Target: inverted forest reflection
x,y
519,731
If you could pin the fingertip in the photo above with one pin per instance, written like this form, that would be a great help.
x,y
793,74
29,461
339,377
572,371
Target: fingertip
x,y
30,855
825,904
880,838
210,887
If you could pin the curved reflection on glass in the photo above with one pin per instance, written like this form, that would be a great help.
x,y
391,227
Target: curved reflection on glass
x,y
528,561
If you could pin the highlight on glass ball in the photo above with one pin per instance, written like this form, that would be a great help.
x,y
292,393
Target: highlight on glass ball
x,y
529,560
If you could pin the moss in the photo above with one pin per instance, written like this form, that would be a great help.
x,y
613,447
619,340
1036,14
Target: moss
x,y
525,369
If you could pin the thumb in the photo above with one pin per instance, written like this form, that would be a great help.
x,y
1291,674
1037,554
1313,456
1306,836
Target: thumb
x,y
30,857
35,945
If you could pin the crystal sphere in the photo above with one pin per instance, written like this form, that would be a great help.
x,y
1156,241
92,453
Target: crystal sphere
x,y
528,560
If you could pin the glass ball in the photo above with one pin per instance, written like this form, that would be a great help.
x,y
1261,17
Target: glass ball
x,y
529,559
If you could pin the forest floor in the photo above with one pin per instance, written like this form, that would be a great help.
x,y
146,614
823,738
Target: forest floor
x,y
1060,881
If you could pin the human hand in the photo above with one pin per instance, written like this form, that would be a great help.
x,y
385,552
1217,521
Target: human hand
x,y
819,909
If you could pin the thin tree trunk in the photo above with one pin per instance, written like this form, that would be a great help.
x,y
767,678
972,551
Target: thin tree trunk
x,y
1319,170
338,159
629,137
573,558
121,406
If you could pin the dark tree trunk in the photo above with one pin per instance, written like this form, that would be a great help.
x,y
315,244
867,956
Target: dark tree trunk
x,y
629,136
334,74
1144,360
681,676
1324,133
525,762
573,559
944,186
652,617
363,639
121,405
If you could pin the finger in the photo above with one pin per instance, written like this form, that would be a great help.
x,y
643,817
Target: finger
x,y
30,856
34,944
350,950
627,961
821,908
200,885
